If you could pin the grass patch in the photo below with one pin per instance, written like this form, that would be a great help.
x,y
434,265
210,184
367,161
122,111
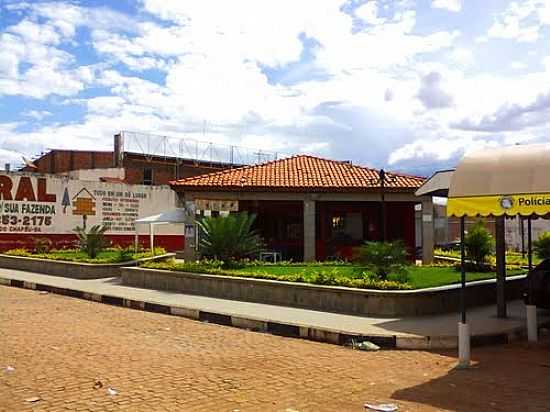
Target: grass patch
x,y
76,255
347,275
512,258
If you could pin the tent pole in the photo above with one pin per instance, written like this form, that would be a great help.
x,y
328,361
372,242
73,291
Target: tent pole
x,y
151,236
522,234
529,244
532,323
463,327
136,241
500,232
462,271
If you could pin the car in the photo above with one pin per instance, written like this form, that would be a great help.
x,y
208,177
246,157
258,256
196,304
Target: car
x,y
538,285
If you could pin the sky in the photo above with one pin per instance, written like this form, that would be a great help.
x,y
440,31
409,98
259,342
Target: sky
x,y
408,85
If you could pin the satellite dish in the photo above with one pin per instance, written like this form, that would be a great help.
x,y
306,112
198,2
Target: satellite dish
x,y
29,163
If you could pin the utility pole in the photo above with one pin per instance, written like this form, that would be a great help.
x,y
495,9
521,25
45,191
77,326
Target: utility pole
x,y
382,179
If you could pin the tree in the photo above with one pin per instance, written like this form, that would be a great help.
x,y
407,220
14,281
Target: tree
x,y
541,246
230,238
384,258
478,244
93,241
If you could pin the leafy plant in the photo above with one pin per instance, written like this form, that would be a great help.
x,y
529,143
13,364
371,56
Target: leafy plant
x,y
126,254
42,245
541,246
384,258
93,241
230,238
479,244
329,278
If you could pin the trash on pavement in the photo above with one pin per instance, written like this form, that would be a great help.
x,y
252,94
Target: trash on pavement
x,y
382,407
366,345
43,292
111,391
98,384
10,368
33,399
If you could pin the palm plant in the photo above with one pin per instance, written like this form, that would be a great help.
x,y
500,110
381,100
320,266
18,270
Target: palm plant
x,y
93,241
229,238
384,258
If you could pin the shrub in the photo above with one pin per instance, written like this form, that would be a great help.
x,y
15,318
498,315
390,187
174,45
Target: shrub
x,y
93,241
479,244
42,245
126,254
541,246
229,238
384,258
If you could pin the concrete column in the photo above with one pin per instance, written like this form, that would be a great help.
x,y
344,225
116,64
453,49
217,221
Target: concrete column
x,y
309,230
190,252
428,231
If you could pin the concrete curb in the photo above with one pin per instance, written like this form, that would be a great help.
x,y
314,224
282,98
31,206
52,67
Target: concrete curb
x,y
276,328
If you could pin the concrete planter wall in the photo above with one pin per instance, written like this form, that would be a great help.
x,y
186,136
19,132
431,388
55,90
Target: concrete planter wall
x,y
324,298
68,269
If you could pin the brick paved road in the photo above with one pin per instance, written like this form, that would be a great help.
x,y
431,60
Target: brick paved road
x,y
59,346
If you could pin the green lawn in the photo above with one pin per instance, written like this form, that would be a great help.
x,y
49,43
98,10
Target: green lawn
x,y
419,276
76,255
324,274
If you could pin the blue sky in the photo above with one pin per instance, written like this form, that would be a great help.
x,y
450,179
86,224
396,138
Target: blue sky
x,y
408,85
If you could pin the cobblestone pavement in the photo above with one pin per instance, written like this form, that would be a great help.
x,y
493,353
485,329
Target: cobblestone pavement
x,y
60,346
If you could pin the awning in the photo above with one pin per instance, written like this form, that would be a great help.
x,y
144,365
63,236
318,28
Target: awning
x,y
511,181
174,216
437,184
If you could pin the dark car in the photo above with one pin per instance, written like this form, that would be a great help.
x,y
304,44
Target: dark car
x,y
538,285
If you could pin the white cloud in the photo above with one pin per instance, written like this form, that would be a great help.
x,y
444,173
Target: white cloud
x,y
518,65
37,114
522,21
369,13
450,5
368,87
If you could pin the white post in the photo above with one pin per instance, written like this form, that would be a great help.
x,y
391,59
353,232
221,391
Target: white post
x,y
151,236
532,326
136,240
463,345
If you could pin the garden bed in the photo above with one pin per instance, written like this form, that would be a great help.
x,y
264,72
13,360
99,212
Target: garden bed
x,y
258,287
331,274
75,264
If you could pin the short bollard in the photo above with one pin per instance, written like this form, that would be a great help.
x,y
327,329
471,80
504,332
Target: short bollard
x,y
463,345
532,325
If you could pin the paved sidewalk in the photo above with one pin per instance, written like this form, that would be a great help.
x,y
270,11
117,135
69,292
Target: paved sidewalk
x,y
427,332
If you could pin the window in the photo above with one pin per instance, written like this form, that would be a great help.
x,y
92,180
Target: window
x,y
338,224
148,176
347,225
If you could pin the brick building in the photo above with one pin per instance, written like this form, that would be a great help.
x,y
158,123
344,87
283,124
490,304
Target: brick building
x,y
137,168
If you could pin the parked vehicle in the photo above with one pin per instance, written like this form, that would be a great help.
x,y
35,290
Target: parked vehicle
x,y
538,285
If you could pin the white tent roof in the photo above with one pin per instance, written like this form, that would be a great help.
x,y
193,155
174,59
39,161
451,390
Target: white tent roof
x,y
170,216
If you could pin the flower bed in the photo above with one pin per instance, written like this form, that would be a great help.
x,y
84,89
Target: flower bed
x,y
328,273
72,264
111,255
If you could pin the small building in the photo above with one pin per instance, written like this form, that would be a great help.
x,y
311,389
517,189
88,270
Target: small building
x,y
122,166
309,208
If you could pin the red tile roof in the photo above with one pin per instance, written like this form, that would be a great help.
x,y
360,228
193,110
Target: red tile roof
x,y
299,174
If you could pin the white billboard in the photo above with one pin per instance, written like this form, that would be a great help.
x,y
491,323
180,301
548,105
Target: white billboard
x,y
34,204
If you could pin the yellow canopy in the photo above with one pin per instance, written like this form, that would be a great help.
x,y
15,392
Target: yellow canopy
x,y
511,181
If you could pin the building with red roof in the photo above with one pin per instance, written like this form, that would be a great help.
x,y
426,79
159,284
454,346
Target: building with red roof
x,y
312,208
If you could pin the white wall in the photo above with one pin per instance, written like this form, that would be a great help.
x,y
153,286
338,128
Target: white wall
x,y
49,204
